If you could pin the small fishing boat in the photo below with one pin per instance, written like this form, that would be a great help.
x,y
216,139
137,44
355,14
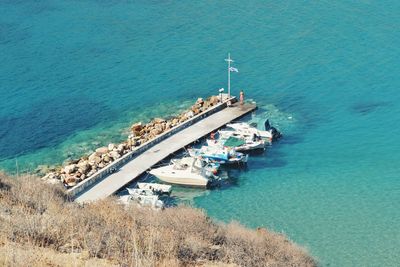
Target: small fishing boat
x,y
244,129
210,168
183,174
239,144
270,133
222,155
140,192
143,200
156,188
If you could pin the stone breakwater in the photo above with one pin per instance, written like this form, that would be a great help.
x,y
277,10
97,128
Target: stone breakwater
x,y
83,168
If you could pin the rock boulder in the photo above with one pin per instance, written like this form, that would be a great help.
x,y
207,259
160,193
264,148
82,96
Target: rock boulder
x,y
71,181
137,127
106,158
175,121
102,150
167,125
94,158
115,155
158,120
70,168
121,147
214,100
83,166
111,147
200,101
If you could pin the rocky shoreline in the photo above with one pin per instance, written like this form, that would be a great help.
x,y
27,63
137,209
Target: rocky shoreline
x,y
75,171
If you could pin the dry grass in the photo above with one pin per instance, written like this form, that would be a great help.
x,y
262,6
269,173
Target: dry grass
x,y
12,254
39,225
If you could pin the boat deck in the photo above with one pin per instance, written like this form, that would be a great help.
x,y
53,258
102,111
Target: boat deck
x,y
144,161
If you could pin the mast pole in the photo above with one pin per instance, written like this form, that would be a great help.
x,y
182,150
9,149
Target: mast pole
x,y
229,74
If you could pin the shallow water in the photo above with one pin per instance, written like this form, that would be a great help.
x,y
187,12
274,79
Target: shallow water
x,y
75,74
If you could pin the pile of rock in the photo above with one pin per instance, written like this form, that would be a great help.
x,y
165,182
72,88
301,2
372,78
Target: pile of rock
x,y
142,133
78,170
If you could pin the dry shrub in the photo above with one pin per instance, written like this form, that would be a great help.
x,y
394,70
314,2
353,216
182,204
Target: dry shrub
x,y
31,195
42,216
257,248
13,254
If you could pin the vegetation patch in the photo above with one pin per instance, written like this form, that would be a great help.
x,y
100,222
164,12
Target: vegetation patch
x,y
42,226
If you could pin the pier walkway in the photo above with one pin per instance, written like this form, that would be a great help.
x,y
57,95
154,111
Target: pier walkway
x,y
148,158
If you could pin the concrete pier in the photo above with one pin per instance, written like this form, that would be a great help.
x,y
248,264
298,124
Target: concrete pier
x,y
132,166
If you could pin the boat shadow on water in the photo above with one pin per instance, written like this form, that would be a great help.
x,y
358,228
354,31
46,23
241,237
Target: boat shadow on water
x,y
271,159
228,177
187,195
290,140
257,152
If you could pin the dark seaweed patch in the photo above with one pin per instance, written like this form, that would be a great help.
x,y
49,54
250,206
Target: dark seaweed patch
x,y
48,124
11,33
309,115
367,107
290,140
32,7
268,163
274,159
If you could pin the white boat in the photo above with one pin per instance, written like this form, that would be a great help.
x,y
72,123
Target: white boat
x,y
239,144
140,192
225,134
181,174
151,201
222,155
210,168
270,133
245,129
155,188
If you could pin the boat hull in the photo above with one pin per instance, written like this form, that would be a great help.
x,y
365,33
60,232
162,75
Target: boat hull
x,y
243,148
186,180
246,148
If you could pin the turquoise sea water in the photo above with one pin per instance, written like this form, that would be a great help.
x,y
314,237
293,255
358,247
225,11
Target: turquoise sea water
x,y
75,74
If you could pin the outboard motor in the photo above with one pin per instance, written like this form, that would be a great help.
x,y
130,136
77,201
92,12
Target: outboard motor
x,y
275,133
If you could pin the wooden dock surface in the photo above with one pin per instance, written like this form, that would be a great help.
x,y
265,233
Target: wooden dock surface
x,y
141,163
